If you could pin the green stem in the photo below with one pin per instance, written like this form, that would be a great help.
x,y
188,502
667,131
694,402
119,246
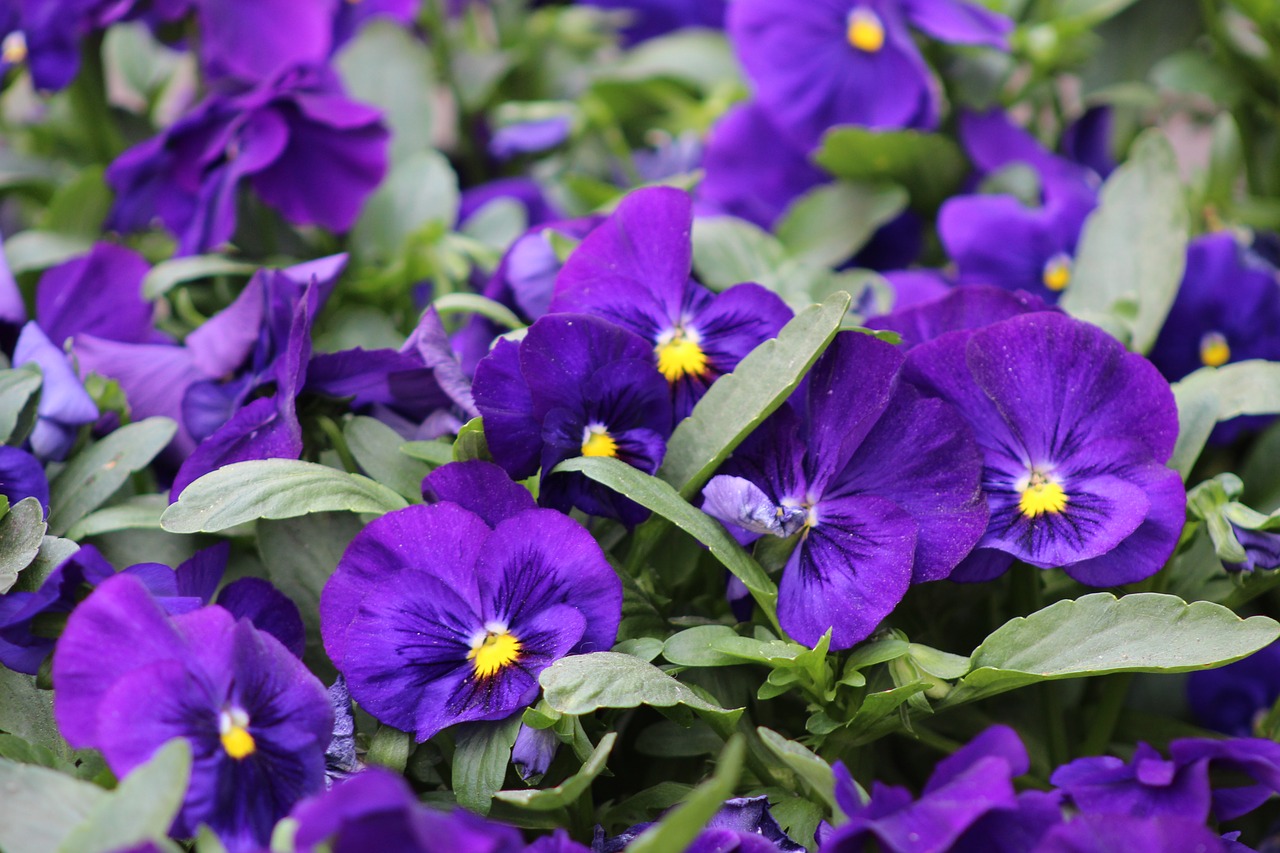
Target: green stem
x,y
339,444
88,95
1114,691
931,739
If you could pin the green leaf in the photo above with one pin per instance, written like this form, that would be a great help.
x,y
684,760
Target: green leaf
x,y
27,711
387,66
480,761
471,442
434,453
167,275
654,494
1133,247
95,473
568,791
376,447
141,809
682,824
19,396
33,250
645,648
300,554
390,748
1214,394
804,763
699,57
41,807
79,206
273,488
727,250
736,404
140,512
694,646
16,749
580,684
472,303
1100,634
929,165
21,531
827,225
773,653
421,189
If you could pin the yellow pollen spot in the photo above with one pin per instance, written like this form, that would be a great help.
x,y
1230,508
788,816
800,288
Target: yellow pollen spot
x,y
865,30
596,441
494,652
233,726
1042,495
1057,273
1214,350
13,50
681,356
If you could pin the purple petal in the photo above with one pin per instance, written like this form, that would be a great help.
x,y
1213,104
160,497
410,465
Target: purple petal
x,y
479,487
268,609
258,42
264,429
64,404
529,137
969,306
1091,832
741,503
960,22
22,476
513,431
98,294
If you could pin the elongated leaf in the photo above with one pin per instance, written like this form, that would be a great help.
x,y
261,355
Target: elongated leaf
x,y
434,453
421,189
1100,634
580,684
480,761
32,250
1133,247
141,809
273,488
654,494
682,824
727,250
390,748
804,763
736,404
40,807
95,473
21,531
387,66
695,646
27,711
376,447
929,165
568,791
827,225
141,512
18,400
1214,394
167,275
472,303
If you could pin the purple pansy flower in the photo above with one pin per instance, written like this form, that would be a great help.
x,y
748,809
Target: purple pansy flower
x,y
22,476
963,308
13,311
652,18
127,678
821,63
64,405
881,484
752,171
1075,432
575,386
1231,699
436,615
997,239
529,137
523,191
964,787
277,136
99,293
742,825
352,16
634,270
259,41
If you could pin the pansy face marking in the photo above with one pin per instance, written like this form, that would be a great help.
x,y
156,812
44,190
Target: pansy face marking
x,y
596,441
1040,493
1214,349
1057,272
233,730
493,650
865,30
680,354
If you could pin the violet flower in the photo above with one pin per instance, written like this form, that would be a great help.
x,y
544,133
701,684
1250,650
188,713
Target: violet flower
x,y
127,678
652,18
997,239
1075,433
822,63
1088,833
352,16
98,293
259,41
963,308
964,787
634,270
742,825
436,615
22,476
1232,699
574,386
881,484
277,137
64,405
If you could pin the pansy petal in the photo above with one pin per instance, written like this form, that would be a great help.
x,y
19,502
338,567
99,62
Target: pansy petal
x,y
268,609
99,294
264,429
22,476
480,487
513,432
741,503
850,571
969,306
959,22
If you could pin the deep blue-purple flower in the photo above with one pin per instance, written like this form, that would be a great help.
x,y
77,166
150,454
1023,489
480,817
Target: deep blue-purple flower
x,y
821,63
1075,433
65,406
575,386
1231,699
652,18
881,484
436,615
634,270
128,677
277,137
742,825
22,476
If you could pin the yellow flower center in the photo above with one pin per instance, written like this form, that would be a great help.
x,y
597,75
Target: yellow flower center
x,y
1041,495
1057,273
493,652
13,50
1214,350
679,354
596,441
865,30
233,727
